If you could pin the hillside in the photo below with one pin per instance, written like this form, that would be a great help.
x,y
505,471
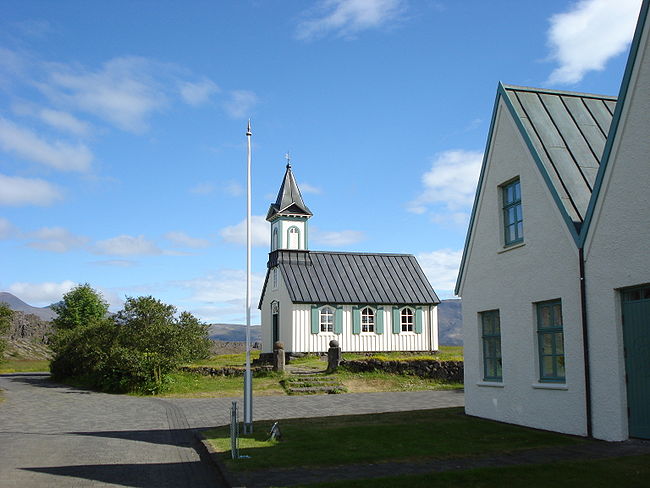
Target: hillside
x,y
234,332
16,304
450,323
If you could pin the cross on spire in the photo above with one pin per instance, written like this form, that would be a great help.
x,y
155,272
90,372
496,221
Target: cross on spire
x,y
288,158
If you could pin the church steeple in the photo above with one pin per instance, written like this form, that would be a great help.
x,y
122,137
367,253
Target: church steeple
x,y
288,215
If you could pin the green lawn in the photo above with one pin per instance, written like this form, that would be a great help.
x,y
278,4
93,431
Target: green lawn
x,y
183,384
331,441
225,360
631,472
24,365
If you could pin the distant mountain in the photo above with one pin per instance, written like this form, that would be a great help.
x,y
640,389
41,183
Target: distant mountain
x,y
234,332
450,323
15,303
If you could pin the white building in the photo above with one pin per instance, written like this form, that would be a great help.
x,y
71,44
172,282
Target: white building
x,y
555,277
368,302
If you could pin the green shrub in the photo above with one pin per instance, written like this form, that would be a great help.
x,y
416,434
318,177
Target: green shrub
x,y
133,351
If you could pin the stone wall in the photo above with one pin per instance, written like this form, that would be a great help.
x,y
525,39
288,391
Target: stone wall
x,y
424,368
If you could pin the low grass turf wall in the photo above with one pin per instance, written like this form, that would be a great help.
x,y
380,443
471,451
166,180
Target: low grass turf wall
x,y
224,371
451,371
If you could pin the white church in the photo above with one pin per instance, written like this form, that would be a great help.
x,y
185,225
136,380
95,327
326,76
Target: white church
x,y
368,302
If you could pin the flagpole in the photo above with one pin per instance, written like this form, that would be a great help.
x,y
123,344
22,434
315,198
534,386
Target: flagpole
x,y
248,380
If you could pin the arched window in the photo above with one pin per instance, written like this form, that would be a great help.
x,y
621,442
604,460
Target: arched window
x,y
276,240
275,277
326,319
407,320
293,237
367,320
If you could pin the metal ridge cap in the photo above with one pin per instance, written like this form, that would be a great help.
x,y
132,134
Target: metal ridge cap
x,y
559,92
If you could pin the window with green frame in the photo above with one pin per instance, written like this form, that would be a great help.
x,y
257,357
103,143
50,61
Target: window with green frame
x,y
491,336
513,220
550,340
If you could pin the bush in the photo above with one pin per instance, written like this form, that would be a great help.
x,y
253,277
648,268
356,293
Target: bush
x,y
134,350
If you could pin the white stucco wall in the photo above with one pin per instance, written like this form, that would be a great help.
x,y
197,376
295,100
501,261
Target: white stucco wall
x,y
615,251
545,267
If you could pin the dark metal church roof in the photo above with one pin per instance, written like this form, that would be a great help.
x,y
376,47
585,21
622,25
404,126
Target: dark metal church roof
x,y
352,278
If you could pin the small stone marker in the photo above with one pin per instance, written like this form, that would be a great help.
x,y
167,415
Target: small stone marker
x,y
333,356
278,356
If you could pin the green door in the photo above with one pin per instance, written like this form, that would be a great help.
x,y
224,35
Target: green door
x,y
636,337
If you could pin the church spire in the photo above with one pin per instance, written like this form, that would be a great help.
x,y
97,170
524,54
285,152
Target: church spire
x,y
289,200
288,215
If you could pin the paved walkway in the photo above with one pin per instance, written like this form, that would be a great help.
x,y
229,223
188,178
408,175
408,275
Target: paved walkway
x,y
58,436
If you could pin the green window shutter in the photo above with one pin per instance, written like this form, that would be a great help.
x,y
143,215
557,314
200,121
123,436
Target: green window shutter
x,y
418,320
338,320
379,320
315,320
396,323
356,320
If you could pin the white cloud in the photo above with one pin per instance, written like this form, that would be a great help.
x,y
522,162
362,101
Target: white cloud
x,y
58,154
41,294
451,181
307,188
234,189
119,263
181,239
441,268
56,239
224,286
204,188
587,36
122,92
260,231
240,103
337,238
7,229
17,191
223,295
126,245
63,121
345,18
199,92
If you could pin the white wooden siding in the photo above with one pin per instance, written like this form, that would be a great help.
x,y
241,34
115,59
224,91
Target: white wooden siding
x,y
304,341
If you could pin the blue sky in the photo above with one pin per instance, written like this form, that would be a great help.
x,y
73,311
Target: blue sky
x,y
122,130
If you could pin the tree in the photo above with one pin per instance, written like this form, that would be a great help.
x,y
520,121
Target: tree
x,y
5,322
150,330
132,351
81,307
81,332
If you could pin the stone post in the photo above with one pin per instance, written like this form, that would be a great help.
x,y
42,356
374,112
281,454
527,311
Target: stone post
x,y
278,356
333,356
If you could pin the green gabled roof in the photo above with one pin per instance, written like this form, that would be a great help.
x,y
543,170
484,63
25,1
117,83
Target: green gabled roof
x,y
289,200
566,133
